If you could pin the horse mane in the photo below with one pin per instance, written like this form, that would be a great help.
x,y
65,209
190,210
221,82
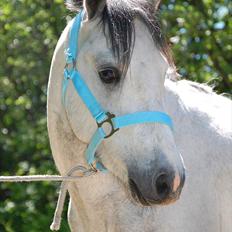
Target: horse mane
x,y
118,19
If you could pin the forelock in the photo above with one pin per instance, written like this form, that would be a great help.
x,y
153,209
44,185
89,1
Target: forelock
x,y
118,23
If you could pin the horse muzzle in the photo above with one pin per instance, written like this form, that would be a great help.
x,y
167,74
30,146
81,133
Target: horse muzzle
x,y
163,187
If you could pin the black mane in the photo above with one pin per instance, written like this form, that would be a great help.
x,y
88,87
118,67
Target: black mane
x,y
118,18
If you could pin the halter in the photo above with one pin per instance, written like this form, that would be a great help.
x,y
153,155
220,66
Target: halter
x,y
101,116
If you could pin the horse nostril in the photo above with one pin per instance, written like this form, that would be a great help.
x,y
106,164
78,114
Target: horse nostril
x,y
162,186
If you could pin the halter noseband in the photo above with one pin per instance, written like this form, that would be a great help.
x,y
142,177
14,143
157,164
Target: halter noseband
x,y
99,114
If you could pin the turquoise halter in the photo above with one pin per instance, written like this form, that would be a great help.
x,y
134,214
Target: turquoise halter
x,y
99,114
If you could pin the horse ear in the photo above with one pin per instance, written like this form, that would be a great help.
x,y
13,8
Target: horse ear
x,y
94,7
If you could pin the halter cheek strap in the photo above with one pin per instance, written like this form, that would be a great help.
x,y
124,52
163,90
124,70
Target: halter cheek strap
x,y
99,114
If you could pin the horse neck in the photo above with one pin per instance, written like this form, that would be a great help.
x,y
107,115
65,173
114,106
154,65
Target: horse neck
x,y
202,138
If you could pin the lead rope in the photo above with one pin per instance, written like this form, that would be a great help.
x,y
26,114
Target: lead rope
x,y
83,172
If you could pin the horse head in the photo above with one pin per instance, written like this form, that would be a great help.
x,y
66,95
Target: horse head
x,y
124,59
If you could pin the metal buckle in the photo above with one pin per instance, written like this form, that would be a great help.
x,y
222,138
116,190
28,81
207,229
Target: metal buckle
x,y
93,167
110,116
69,67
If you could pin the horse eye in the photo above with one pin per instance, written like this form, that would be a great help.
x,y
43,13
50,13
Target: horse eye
x,y
109,75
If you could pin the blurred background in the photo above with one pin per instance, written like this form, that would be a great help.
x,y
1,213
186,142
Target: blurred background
x,y
200,33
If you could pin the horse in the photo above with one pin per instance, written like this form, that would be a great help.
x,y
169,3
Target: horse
x,y
126,63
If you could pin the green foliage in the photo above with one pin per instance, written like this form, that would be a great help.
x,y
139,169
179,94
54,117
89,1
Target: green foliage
x,y
200,32
29,29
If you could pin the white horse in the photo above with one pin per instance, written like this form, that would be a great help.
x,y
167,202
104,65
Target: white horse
x,y
124,61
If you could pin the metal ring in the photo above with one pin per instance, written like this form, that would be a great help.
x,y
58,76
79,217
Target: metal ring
x,y
110,116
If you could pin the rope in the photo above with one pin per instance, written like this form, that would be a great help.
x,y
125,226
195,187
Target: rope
x,y
82,172
36,178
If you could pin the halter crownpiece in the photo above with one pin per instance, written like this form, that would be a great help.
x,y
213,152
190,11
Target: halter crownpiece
x,y
101,116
